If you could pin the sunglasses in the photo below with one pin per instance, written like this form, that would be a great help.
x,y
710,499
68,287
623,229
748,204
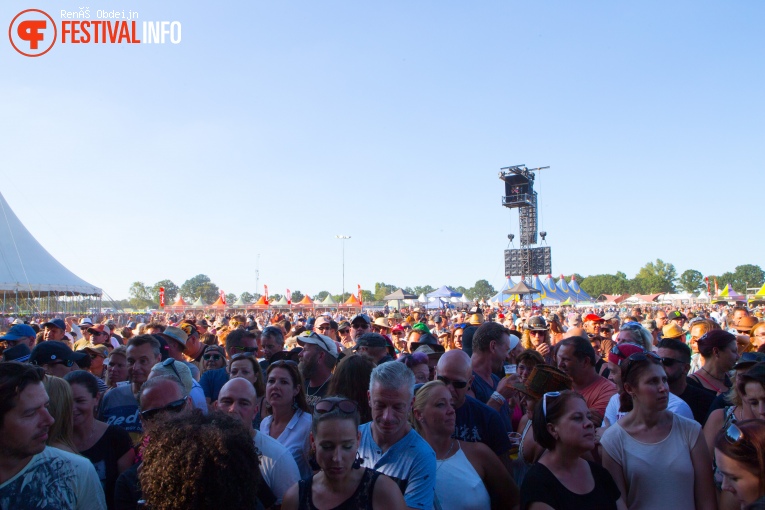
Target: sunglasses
x,y
537,332
458,385
214,357
734,435
170,362
328,405
551,394
670,362
324,327
638,356
173,407
241,349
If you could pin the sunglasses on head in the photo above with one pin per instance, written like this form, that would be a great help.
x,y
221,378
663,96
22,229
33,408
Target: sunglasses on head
x,y
638,356
458,385
551,394
734,435
214,357
173,407
170,362
327,405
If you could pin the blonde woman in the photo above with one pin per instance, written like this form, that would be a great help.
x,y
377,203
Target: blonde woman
x,y
60,407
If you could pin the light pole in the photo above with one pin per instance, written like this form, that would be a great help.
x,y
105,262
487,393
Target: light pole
x,y
343,239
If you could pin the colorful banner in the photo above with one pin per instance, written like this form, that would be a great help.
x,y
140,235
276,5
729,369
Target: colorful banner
x,y
265,287
161,297
361,302
222,296
289,297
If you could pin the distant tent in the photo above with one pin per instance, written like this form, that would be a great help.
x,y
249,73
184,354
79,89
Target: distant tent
x,y
328,300
445,292
282,301
306,301
179,303
199,303
219,303
500,296
521,289
261,301
613,299
563,289
544,297
759,295
399,295
352,301
422,298
729,294
239,303
580,294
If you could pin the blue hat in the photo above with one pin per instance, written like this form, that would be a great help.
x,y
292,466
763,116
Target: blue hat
x,y
56,323
47,352
18,353
18,332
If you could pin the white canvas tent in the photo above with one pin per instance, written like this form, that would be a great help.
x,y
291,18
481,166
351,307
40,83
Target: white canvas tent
x,y
28,272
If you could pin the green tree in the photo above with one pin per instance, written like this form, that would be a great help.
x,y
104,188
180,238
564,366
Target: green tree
x,y
247,297
367,296
171,291
297,296
140,296
481,290
427,289
382,289
598,284
748,275
230,298
691,281
658,276
200,286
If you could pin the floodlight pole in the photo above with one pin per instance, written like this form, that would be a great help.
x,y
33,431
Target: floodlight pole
x,y
343,239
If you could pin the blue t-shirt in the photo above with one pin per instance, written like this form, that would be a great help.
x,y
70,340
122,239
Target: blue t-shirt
x,y
212,381
483,393
476,422
411,463
119,407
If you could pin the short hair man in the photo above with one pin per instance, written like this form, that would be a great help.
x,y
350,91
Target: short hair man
x,y
592,323
573,320
317,360
177,339
277,465
56,358
344,334
676,358
119,406
154,328
323,326
54,330
389,444
661,320
20,334
361,324
375,346
474,420
237,342
272,341
492,343
33,475
577,359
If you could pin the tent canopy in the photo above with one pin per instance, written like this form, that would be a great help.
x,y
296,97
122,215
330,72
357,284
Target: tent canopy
x,y
521,288
328,300
444,291
399,295
27,267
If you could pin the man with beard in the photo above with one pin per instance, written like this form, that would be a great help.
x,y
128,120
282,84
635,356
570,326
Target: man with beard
x,y
317,360
676,358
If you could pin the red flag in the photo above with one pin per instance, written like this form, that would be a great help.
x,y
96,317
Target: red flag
x,y
266,292
717,290
289,297
707,279
222,296
360,301
161,297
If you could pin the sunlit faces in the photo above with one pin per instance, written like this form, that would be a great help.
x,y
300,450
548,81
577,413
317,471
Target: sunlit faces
x,y
737,479
117,369
359,327
568,362
140,359
390,408
53,333
728,356
280,388
438,415
238,400
574,427
243,368
675,368
458,338
652,390
336,443
524,369
271,347
754,397
84,405
500,350
25,427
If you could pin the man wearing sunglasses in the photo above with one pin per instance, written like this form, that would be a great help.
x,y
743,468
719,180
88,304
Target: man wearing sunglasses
x,y
20,334
277,465
317,360
238,341
676,358
474,421
56,358
360,325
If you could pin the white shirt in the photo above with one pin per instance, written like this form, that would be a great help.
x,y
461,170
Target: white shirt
x,y
294,438
279,470
675,404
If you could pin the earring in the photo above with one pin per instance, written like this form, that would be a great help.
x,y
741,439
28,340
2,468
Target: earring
x,y
357,461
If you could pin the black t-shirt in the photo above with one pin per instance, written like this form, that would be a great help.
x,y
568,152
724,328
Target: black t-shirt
x,y
315,393
699,399
104,455
477,422
540,485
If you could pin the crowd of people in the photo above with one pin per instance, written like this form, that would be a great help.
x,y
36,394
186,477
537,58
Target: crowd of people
x,y
518,407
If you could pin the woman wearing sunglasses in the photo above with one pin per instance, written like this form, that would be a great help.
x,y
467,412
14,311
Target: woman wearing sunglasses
x,y
341,483
657,458
740,457
468,475
562,479
286,412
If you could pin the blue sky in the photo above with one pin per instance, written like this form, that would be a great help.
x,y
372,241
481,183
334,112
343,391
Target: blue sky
x,y
275,126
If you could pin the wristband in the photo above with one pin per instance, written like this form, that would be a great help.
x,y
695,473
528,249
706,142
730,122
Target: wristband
x,y
499,398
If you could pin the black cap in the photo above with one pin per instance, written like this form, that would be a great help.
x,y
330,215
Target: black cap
x,y
47,352
371,340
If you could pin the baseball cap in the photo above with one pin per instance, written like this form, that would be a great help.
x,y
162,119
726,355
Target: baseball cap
x,y
592,317
625,351
371,340
176,334
86,322
749,359
100,329
55,323
47,352
101,350
183,372
343,325
675,314
18,332
321,320
324,342
18,353
362,316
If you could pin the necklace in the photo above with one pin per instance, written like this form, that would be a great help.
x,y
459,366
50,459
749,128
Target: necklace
x,y
710,375
317,390
446,456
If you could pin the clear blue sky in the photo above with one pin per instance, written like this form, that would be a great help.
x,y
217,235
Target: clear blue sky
x,y
274,126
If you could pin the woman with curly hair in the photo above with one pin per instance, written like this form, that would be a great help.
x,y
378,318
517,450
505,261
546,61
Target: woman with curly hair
x,y
536,335
199,462
351,380
287,418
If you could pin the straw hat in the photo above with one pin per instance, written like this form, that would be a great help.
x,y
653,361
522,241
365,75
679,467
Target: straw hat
x,y
382,322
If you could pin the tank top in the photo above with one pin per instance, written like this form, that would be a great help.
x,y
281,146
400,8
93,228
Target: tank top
x,y
520,467
458,484
360,499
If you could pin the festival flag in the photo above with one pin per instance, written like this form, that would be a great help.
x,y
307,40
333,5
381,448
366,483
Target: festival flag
x,y
222,296
161,297
717,290
265,287
360,301
289,297
707,280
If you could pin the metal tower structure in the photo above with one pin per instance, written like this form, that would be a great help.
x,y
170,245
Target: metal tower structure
x,y
520,194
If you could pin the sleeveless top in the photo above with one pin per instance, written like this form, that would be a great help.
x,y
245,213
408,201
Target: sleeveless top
x,y
360,499
458,484
520,466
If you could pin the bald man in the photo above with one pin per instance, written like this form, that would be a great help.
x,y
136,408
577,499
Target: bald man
x,y
280,472
475,421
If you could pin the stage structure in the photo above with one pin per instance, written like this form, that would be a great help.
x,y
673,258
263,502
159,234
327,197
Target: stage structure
x,y
528,260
